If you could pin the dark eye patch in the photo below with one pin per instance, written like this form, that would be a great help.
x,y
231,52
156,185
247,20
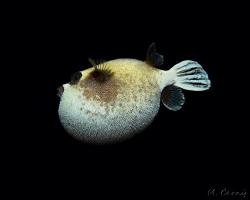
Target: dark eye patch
x,y
101,75
75,77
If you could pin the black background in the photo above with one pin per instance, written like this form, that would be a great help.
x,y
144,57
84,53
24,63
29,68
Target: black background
x,y
182,153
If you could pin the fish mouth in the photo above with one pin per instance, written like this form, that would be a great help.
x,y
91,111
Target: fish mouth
x,y
60,91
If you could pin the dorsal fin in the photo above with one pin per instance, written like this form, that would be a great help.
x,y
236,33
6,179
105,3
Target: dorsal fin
x,y
153,58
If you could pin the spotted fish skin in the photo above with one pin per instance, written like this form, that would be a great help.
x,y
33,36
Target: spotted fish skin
x,y
115,110
125,99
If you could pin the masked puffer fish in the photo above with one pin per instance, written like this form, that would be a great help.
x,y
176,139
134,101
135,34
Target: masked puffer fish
x,y
114,100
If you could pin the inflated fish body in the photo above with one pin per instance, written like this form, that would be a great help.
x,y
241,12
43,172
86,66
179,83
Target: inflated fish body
x,y
114,100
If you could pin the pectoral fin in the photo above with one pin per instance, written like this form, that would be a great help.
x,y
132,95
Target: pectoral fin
x,y
153,58
172,97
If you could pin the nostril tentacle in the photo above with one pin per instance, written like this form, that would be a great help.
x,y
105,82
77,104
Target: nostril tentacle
x,y
75,77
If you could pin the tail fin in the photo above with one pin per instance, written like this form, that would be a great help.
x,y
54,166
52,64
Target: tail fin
x,y
190,75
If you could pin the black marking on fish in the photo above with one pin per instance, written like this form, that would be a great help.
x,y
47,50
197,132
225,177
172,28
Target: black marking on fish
x,y
75,77
153,58
101,73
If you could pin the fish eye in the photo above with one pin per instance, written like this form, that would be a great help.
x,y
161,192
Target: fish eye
x,y
75,77
101,75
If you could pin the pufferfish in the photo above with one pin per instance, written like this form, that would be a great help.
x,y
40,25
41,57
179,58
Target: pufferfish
x,y
114,100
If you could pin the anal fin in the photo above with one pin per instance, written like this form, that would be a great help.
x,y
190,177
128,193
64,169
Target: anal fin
x,y
172,97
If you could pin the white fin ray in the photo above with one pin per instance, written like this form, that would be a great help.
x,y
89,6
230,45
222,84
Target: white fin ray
x,y
190,75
